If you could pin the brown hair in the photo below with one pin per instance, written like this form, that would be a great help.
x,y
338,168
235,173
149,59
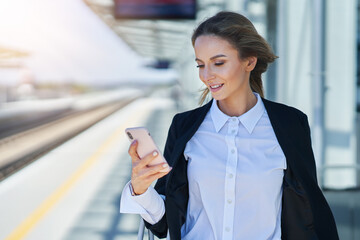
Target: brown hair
x,y
242,35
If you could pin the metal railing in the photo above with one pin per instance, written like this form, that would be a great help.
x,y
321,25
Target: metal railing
x,y
141,231
322,171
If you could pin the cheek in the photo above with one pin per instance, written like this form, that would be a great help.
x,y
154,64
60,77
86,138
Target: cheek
x,y
225,73
235,75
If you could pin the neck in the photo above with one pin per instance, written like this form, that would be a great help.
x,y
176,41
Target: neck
x,y
238,106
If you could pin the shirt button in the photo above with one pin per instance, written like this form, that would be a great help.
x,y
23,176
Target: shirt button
x,y
227,229
229,201
232,151
233,131
234,119
230,175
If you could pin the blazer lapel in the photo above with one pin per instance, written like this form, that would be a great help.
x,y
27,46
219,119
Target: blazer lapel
x,y
190,127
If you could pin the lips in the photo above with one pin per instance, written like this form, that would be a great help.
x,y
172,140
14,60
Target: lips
x,y
216,87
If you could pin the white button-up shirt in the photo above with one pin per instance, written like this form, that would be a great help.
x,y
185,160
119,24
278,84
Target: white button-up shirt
x,y
235,172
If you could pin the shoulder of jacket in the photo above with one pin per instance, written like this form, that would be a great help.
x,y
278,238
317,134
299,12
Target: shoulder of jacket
x,y
283,107
185,118
193,112
186,114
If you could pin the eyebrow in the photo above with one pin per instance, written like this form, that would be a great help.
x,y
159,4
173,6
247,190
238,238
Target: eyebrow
x,y
216,56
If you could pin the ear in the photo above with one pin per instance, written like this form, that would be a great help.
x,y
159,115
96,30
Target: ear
x,y
251,63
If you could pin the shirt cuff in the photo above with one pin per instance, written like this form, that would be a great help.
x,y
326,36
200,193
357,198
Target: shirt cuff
x,y
149,204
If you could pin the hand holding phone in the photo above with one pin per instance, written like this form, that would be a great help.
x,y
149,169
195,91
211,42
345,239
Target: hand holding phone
x,y
146,145
148,164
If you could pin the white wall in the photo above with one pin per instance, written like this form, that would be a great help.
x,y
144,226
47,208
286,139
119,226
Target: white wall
x,y
340,97
294,63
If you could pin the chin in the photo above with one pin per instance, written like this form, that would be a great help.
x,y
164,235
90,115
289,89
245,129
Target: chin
x,y
217,97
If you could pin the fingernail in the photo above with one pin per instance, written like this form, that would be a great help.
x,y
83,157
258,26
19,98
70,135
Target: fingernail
x,y
155,153
165,165
133,142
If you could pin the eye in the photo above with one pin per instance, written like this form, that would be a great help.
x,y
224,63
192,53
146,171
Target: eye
x,y
219,63
200,66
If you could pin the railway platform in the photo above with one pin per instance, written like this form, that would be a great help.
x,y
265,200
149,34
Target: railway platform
x,y
73,192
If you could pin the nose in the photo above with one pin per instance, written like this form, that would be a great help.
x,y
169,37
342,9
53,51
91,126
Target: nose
x,y
207,74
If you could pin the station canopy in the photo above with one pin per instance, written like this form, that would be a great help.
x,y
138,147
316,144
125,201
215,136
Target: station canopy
x,y
161,39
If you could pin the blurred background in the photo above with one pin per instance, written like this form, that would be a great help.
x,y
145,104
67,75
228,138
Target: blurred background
x,y
75,73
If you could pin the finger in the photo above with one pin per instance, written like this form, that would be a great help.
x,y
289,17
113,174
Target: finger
x,y
150,170
132,151
157,175
143,173
157,172
141,183
147,159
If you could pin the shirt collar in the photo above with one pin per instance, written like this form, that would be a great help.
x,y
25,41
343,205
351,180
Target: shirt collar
x,y
248,119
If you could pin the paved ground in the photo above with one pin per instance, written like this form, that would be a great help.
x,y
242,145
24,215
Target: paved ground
x,y
346,208
101,219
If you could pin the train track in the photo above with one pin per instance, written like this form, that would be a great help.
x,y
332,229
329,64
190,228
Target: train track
x,y
19,150
13,125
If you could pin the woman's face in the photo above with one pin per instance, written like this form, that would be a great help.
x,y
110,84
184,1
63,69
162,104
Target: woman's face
x,y
220,68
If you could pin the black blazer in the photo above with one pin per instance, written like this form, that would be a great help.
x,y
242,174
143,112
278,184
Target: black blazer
x,y
305,212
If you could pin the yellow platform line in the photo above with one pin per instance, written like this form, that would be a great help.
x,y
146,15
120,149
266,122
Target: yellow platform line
x,y
29,223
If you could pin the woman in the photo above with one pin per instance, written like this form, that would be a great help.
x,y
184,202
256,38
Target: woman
x,y
242,166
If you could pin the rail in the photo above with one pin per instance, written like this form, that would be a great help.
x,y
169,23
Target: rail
x,y
18,150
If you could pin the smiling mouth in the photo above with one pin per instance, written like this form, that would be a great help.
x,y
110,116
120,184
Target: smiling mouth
x,y
216,86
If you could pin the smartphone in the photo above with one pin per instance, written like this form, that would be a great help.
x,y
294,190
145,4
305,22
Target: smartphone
x,y
146,144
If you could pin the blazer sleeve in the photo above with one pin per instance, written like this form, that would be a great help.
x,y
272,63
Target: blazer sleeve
x,y
308,147
160,228
324,222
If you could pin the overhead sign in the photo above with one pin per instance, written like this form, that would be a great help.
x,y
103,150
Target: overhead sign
x,y
155,9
